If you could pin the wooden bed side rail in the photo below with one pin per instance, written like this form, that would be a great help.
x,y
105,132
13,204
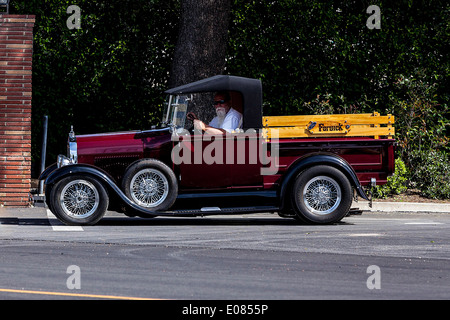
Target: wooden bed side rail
x,y
334,125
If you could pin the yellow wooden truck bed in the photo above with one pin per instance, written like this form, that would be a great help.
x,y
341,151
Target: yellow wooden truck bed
x,y
335,125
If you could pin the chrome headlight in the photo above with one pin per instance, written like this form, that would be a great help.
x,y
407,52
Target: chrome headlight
x,y
63,161
72,152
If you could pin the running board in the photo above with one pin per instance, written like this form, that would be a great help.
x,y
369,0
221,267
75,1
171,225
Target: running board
x,y
258,193
204,211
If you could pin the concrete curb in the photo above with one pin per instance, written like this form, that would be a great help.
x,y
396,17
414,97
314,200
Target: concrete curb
x,y
402,207
412,207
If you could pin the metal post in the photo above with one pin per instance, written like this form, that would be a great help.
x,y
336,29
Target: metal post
x,y
43,152
5,3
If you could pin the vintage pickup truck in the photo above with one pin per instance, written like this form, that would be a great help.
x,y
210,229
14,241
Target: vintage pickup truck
x,y
307,167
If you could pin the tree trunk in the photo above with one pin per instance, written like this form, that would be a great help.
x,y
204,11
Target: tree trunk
x,y
201,47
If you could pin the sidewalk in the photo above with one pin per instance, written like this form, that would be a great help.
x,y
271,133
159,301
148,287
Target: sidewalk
x,y
378,206
381,206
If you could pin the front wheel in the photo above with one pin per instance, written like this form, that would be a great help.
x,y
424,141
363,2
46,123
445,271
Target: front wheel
x,y
79,200
321,194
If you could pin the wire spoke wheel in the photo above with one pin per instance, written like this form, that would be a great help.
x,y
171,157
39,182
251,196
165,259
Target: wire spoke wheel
x,y
149,188
322,195
79,199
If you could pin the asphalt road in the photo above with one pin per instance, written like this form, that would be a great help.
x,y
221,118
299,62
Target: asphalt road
x,y
251,257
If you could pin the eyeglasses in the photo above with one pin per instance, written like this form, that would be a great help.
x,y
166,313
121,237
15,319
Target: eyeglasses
x,y
219,102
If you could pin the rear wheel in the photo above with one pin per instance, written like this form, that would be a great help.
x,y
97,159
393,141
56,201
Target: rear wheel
x,y
321,194
79,200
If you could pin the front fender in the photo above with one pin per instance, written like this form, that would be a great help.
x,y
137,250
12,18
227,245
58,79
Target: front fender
x,y
321,158
47,171
56,175
103,177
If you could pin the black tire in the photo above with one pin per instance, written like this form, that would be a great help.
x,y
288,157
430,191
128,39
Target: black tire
x,y
150,184
79,200
321,195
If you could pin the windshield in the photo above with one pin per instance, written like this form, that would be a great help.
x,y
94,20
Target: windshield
x,y
175,111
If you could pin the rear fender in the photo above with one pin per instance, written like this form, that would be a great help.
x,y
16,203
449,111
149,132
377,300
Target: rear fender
x,y
321,158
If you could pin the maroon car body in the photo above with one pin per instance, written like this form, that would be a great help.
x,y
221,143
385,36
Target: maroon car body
x,y
138,172
114,152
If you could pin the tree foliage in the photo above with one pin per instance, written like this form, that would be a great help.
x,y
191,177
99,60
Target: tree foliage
x,y
305,49
108,75
312,57
320,57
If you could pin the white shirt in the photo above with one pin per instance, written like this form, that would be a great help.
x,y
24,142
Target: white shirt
x,y
231,122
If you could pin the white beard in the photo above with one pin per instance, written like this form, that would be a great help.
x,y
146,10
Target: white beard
x,y
221,114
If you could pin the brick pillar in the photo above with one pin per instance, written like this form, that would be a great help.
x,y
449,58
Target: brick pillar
x,y
16,51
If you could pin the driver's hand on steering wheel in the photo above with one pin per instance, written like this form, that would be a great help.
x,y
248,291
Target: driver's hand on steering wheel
x,y
191,116
199,125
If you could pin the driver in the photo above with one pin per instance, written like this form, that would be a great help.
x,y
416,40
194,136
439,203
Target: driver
x,y
226,120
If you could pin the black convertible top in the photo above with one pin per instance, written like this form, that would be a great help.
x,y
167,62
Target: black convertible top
x,y
251,90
